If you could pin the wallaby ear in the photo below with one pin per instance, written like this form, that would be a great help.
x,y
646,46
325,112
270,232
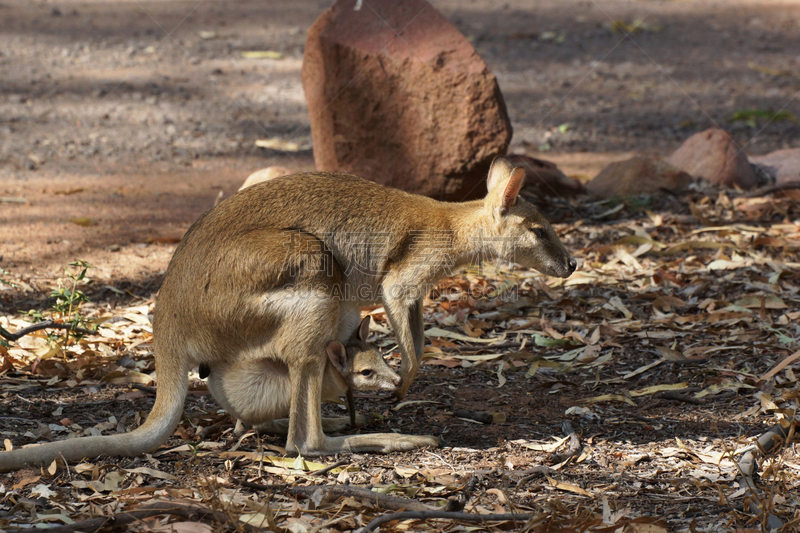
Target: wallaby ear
x,y
504,183
363,329
513,187
337,354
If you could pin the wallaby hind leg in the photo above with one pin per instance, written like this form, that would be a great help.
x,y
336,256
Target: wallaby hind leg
x,y
305,420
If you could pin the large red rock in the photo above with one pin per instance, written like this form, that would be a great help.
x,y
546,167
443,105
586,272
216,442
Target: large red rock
x,y
783,165
714,156
640,175
396,94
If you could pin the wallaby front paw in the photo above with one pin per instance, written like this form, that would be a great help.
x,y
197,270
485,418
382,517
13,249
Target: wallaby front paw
x,y
401,392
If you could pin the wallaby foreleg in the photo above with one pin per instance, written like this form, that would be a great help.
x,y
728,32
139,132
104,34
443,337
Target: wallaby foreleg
x,y
403,317
417,328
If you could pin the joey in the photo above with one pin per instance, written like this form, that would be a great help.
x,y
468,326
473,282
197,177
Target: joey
x,y
354,366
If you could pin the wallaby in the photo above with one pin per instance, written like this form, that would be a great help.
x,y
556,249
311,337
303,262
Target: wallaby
x,y
263,305
228,294
258,392
392,245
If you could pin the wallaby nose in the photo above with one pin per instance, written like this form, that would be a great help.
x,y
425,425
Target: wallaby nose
x,y
572,264
398,382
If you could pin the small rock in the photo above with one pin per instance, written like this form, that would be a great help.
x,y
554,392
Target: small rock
x,y
543,178
55,12
418,110
714,156
640,175
264,174
32,162
783,165
114,248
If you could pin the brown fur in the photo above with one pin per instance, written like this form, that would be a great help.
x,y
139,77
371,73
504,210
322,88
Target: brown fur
x,y
229,297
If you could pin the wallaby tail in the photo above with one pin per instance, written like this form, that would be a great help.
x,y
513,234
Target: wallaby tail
x,y
172,387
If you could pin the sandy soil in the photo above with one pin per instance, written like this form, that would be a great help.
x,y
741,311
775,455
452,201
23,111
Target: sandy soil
x,y
121,122
137,115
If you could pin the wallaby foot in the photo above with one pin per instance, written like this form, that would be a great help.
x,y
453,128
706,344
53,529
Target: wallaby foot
x,y
240,429
372,443
329,425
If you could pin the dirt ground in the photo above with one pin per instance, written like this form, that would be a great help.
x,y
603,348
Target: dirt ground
x,y
121,122
122,113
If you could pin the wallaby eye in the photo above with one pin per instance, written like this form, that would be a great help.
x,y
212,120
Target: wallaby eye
x,y
366,372
540,233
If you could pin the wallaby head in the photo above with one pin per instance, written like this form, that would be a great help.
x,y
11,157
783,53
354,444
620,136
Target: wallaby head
x,y
360,364
517,230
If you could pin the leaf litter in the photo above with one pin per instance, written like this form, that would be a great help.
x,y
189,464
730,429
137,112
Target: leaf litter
x,y
672,349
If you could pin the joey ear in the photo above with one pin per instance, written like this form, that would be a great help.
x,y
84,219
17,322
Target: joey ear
x,y
362,332
337,354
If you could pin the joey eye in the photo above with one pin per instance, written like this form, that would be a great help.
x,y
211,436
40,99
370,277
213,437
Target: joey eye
x,y
540,233
366,372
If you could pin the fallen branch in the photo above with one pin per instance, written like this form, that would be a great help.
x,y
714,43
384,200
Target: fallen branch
x,y
189,512
443,515
47,324
769,189
341,491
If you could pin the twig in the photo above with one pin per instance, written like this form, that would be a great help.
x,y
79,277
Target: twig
x,y
210,430
381,500
351,407
767,443
472,348
143,388
533,473
189,512
46,324
676,396
483,418
328,468
769,189
653,420
573,448
443,515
